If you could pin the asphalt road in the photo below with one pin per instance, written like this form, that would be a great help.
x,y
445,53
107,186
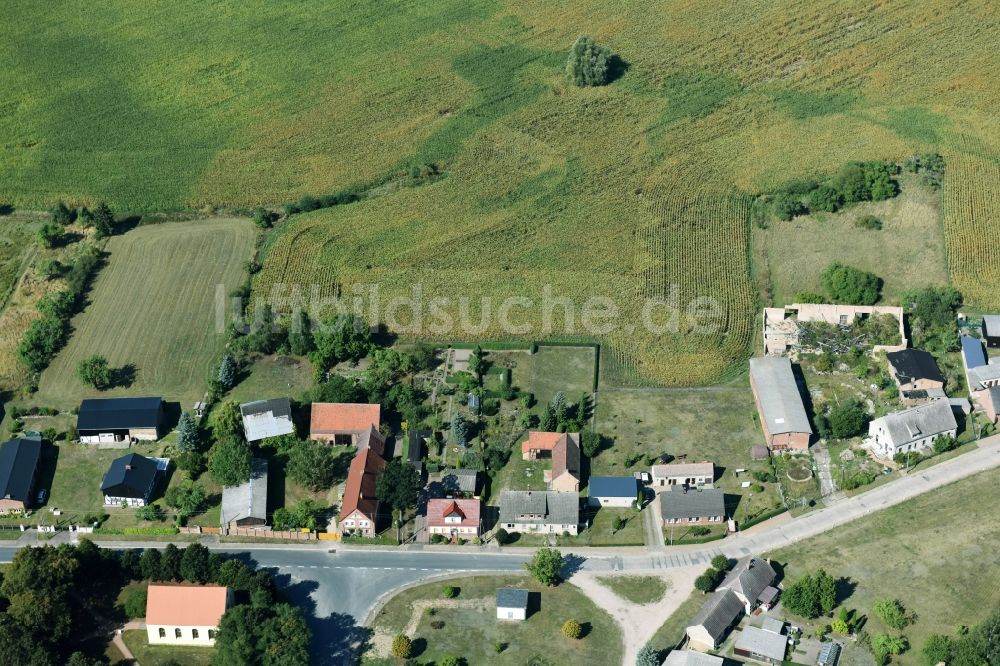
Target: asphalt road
x,y
339,589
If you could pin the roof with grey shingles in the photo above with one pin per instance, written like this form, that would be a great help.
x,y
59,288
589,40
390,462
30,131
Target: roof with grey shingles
x,y
909,425
691,658
991,325
267,418
756,641
707,503
751,576
462,480
779,395
519,506
718,613
247,500
512,597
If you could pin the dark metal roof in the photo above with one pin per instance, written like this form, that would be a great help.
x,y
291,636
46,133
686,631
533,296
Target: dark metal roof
x,y
417,439
612,486
119,413
18,461
132,472
512,597
705,503
972,350
911,364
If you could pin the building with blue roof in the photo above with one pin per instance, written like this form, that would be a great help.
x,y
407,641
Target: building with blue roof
x,y
972,352
612,491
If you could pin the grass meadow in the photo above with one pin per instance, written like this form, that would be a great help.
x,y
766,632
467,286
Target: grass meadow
x,y
153,305
470,629
919,552
629,191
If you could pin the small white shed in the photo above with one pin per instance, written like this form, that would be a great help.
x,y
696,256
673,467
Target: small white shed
x,y
512,603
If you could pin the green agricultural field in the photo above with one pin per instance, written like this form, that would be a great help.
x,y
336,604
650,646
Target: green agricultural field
x,y
636,190
932,553
154,305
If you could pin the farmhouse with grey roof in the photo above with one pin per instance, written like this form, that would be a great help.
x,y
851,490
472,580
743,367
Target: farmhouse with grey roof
x,y
539,511
748,580
913,429
692,507
779,404
714,620
691,658
245,505
761,645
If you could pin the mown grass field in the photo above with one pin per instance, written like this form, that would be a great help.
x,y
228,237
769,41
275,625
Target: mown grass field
x,y
153,305
932,553
623,191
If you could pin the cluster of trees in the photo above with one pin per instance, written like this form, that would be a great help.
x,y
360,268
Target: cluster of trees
x,y
55,599
846,419
972,647
931,312
47,334
855,182
812,595
713,575
930,168
846,284
589,63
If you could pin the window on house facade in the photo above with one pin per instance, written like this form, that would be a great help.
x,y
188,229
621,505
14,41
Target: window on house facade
x,y
211,634
194,633
177,632
163,632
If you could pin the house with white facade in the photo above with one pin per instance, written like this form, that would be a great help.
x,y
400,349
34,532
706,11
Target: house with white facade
x,y
684,474
453,518
539,511
913,429
185,614
512,603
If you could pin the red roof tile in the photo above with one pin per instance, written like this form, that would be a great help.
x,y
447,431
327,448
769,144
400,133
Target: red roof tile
x,y
185,605
438,509
343,417
359,493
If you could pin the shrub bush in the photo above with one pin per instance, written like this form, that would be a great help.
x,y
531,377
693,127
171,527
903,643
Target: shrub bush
x,y
869,222
449,592
402,647
588,63
572,629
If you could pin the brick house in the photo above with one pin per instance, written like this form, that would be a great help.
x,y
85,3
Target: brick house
x,y
346,423
779,404
453,518
359,506
564,449
692,507
914,370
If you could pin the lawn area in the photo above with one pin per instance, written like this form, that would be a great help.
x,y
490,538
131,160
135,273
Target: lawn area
x,y
273,376
154,305
717,424
162,655
908,252
637,589
932,553
73,473
671,632
471,629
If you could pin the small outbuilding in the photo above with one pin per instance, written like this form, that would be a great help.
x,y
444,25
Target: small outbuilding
x,y
245,505
761,645
267,418
829,654
460,481
512,603
991,330
612,491
691,658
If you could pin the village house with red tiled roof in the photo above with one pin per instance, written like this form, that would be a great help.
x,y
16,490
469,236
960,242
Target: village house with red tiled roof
x,y
359,506
351,424
185,614
453,518
564,449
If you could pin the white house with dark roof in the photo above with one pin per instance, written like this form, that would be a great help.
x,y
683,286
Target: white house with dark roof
x,y
913,429
692,507
512,603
